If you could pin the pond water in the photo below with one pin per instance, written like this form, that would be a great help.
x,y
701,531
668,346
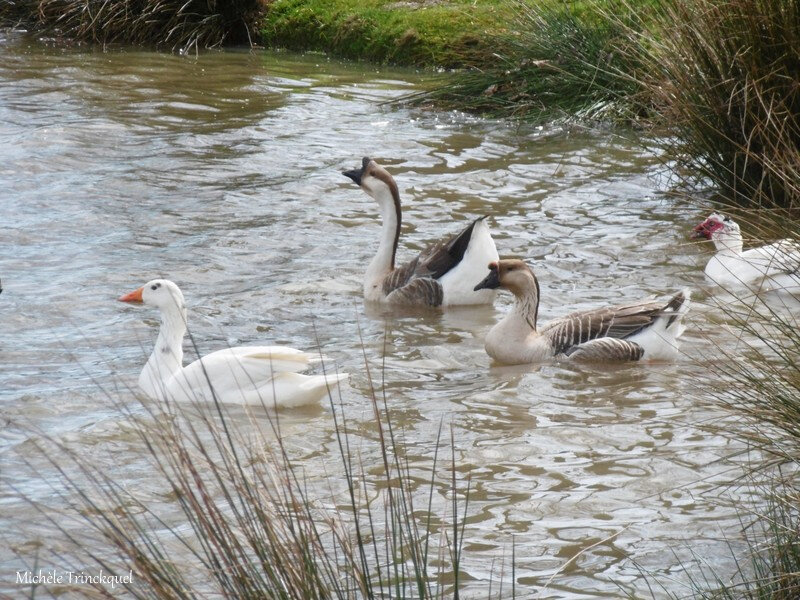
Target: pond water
x,y
222,172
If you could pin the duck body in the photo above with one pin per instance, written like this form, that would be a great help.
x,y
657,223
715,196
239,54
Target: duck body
x,y
441,275
773,267
254,375
629,332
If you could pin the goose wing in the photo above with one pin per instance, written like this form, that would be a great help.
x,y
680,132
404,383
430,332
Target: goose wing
x,y
618,322
606,349
431,264
233,372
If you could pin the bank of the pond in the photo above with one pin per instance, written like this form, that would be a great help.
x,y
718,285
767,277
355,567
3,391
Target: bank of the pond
x,y
421,33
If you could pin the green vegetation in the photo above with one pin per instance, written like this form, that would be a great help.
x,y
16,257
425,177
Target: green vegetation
x,y
456,33
720,79
565,61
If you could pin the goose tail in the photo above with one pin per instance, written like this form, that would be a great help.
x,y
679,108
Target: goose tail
x,y
675,310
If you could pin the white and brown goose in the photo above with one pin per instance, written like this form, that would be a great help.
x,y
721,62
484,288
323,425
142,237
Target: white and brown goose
x,y
443,274
629,332
773,267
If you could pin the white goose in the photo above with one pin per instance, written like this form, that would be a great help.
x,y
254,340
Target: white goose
x,y
631,332
245,374
772,267
442,274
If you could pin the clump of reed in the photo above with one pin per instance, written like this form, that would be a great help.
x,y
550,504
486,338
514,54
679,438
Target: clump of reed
x,y
176,24
720,81
714,81
251,523
561,61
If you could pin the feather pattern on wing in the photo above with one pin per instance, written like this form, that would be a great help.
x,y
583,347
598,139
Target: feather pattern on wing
x,y
606,349
422,290
613,322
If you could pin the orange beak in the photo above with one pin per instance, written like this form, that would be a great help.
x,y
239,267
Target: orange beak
x,y
134,296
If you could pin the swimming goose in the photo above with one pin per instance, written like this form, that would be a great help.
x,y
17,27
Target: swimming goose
x,y
443,274
772,267
630,332
245,374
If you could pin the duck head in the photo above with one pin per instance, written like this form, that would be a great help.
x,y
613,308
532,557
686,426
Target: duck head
x,y
715,226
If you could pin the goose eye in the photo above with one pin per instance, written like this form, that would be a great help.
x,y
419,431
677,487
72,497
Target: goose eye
x,y
155,286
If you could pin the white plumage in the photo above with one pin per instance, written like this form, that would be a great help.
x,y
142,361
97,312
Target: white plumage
x,y
244,374
773,267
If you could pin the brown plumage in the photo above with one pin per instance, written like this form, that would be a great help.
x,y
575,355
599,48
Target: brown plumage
x,y
441,274
612,321
626,332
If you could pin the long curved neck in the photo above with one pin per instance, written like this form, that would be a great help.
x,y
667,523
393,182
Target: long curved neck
x,y
514,340
526,308
167,356
383,262
728,242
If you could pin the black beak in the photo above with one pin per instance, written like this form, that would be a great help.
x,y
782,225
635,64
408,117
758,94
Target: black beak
x,y
491,282
355,174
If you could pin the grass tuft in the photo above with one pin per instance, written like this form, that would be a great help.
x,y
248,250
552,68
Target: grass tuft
x,y
757,378
720,78
563,63
177,24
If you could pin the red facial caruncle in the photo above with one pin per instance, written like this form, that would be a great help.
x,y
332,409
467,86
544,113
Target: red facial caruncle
x,y
706,228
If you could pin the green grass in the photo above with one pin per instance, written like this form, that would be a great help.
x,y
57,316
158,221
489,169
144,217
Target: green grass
x,y
454,33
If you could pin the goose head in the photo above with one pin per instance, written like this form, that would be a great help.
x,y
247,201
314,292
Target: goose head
x,y
374,180
160,293
513,275
715,227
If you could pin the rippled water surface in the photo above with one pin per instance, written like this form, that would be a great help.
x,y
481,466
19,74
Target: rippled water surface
x,y
222,172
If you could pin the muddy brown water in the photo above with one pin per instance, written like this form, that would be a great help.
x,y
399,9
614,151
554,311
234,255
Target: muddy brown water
x,y
222,172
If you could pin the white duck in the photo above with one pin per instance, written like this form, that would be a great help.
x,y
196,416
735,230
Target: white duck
x,y
631,332
443,274
772,267
245,374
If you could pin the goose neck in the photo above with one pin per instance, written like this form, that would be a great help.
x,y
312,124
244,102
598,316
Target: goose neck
x,y
391,218
168,353
526,309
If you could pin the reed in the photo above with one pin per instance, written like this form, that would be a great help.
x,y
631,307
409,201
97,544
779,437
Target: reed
x,y
561,63
719,78
250,521
176,24
757,378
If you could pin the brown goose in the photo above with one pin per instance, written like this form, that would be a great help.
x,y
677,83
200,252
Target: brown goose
x,y
443,274
631,332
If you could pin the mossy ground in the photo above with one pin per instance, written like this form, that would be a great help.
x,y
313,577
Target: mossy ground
x,y
426,33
